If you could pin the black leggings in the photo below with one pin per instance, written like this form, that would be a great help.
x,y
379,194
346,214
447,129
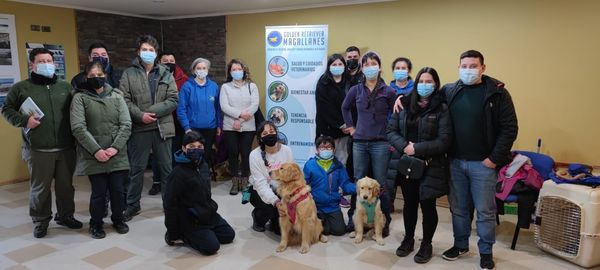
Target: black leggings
x,y
239,143
410,192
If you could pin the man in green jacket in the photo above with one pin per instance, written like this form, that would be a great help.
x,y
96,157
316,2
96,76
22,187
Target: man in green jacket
x,y
151,96
52,151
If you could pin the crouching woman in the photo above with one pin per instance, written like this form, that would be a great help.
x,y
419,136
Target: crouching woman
x,y
190,212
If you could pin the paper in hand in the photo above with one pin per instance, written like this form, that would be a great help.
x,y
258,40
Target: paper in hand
x,y
30,108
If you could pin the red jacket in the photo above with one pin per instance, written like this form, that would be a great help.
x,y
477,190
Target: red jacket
x,y
180,77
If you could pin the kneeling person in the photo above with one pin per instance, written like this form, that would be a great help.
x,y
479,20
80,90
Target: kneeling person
x,y
326,174
190,212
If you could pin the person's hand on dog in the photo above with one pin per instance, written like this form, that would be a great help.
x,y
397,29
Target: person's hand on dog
x,y
280,208
410,149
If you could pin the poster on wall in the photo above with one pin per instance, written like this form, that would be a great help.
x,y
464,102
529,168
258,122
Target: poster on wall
x,y
9,55
296,57
59,57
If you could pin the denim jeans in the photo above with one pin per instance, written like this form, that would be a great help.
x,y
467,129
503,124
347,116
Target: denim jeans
x,y
473,185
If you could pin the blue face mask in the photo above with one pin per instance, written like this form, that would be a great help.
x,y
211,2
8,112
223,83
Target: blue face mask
x,y
425,89
148,57
400,74
195,154
237,75
371,72
336,70
469,76
45,69
326,154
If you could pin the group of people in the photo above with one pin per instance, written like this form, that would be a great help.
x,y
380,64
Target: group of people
x,y
105,125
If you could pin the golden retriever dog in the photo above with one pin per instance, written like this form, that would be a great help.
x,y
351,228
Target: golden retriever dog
x,y
300,221
367,200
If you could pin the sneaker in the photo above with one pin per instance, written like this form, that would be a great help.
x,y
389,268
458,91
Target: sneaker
x,y
70,222
97,232
487,262
424,254
130,212
40,230
344,202
454,253
154,190
121,227
406,247
257,227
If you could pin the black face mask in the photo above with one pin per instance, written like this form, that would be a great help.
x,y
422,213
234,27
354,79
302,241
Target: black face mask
x,y
95,82
171,67
352,64
270,140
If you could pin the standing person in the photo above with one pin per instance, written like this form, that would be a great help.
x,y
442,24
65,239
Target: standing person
x,y
168,59
239,102
374,101
325,174
151,96
423,131
101,124
190,212
99,52
485,126
269,156
199,109
402,82
353,65
51,141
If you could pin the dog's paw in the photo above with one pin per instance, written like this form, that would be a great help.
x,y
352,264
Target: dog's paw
x,y
304,249
352,234
380,241
358,240
280,248
323,239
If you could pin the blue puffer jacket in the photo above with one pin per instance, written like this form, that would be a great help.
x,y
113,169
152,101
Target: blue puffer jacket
x,y
199,105
325,185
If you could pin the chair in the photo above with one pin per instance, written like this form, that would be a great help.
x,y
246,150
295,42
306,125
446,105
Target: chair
x,y
544,165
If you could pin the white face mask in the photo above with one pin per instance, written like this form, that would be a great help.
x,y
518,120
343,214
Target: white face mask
x,y
469,76
201,74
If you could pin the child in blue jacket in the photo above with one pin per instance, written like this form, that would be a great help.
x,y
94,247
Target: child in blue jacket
x,y
325,175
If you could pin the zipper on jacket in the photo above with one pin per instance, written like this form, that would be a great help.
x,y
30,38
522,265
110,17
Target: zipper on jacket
x,y
53,115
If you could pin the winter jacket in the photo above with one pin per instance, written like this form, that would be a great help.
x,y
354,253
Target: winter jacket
x,y
199,105
325,185
434,139
234,100
187,198
112,77
373,109
403,90
134,84
180,77
329,98
100,122
53,97
501,126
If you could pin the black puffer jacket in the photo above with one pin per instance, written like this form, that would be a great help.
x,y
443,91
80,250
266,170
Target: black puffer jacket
x,y
188,204
501,126
434,139
329,98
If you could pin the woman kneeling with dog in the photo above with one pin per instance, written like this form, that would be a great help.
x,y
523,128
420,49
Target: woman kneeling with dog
x,y
190,212
420,134
267,157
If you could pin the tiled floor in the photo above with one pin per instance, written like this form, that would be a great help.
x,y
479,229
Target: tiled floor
x,y
144,248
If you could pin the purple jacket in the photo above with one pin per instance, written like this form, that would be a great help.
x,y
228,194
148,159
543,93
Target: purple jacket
x,y
372,111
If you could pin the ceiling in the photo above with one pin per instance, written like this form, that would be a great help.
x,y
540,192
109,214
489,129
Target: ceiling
x,y
173,9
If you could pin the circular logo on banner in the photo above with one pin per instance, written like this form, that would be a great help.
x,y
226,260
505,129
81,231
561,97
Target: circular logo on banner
x,y
274,38
278,116
282,138
278,91
278,66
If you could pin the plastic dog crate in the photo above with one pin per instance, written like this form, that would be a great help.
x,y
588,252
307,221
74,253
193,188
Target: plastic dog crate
x,y
568,222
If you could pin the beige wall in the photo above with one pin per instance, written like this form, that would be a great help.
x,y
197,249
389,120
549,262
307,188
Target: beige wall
x,y
545,51
63,32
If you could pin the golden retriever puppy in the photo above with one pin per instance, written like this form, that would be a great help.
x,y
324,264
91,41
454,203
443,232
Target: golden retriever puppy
x,y
368,213
300,219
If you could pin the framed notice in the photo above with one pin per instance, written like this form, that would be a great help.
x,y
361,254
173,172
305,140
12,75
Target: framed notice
x,y
9,55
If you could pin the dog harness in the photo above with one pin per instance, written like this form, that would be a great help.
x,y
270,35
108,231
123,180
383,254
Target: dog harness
x,y
370,208
291,206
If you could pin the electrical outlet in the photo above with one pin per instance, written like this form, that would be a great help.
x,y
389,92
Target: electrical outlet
x,y
46,28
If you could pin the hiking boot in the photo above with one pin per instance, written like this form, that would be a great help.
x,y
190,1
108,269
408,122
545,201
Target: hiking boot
x,y
406,247
243,183
454,253
97,232
487,262
424,254
121,227
40,230
155,189
235,186
130,212
69,222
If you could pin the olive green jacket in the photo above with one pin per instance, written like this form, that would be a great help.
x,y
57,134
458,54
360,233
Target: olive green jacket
x,y
100,121
134,84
